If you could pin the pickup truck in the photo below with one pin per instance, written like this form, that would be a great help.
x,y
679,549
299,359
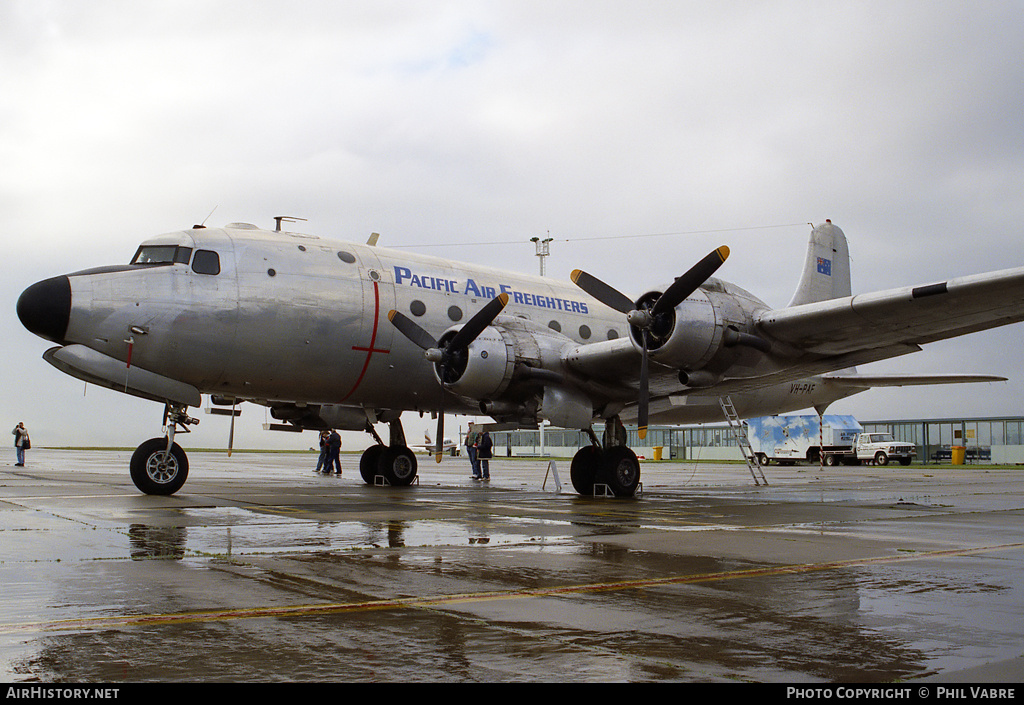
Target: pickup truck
x,y
878,448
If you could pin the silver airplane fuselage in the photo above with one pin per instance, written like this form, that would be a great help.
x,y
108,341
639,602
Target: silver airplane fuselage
x,y
284,317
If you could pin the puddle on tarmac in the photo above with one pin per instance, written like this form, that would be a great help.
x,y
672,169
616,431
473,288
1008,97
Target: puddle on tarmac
x,y
239,532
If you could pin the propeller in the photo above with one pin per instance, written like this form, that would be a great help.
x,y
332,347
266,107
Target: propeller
x,y
454,351
647,316
231,432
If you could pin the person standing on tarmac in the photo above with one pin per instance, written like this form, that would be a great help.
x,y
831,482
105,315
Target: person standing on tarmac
x,y
472,436
21,443
484,453
333,459
325,449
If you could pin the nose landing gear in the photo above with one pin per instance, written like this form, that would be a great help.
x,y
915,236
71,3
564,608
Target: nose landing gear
x,y
159,466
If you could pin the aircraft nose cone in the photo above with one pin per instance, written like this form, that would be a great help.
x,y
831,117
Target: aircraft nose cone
x,y
45,308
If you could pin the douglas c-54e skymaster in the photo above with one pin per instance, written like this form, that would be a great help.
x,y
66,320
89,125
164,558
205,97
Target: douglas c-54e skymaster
x,y
331,334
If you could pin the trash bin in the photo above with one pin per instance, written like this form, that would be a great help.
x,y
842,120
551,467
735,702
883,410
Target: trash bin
x,y
657,452
959,454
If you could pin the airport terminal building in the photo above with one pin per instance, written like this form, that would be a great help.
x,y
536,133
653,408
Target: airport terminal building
x,y
997,440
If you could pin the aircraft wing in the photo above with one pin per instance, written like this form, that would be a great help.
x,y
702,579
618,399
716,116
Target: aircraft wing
x,y
909,316
861,381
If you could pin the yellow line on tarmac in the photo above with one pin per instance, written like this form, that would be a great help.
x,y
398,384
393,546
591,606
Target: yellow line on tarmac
x,y
89,623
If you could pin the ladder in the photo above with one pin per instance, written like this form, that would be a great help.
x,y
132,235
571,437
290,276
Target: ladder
x,y
740,434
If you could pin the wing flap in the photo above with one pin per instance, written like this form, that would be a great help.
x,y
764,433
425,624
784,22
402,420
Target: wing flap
x,y
859,381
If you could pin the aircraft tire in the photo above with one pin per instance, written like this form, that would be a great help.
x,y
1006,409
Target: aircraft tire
x,y
622,470
369,462
150,475
398,465
583,469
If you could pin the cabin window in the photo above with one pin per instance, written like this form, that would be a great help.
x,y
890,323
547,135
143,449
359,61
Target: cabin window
x,y
162,254
585,332
454,313
206,262
417,308
555,326
613,334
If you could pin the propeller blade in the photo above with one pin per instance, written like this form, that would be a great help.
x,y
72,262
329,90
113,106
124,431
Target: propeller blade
x,y
411,330
642,402
439,446
231,433
604,293
688,283
475,326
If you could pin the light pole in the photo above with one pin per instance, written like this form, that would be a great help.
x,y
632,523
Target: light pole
x,y
543,250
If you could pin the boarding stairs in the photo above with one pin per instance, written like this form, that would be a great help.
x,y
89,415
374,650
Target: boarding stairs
x,y
740,434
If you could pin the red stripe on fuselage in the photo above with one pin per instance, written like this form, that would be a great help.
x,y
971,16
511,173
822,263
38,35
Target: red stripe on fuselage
x,y
373,339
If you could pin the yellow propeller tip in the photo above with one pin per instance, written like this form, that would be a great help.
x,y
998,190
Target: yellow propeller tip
x,y
723,252
642,432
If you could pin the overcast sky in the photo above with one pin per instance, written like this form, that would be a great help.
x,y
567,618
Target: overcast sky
x,y
637,135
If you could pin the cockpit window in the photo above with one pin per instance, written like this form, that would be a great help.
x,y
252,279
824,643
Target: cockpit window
x,y
162,254
206,262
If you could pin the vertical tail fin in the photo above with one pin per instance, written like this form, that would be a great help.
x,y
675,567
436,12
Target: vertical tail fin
x,y
827,268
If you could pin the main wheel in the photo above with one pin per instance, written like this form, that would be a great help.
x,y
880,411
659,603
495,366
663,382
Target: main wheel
x,y
369,462
583,469
398,465
622,470
155,471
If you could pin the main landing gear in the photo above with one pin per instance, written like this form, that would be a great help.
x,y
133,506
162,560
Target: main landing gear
x,y
612,464
394,463
159,466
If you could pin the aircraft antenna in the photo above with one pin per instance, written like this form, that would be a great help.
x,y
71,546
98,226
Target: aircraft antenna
x,y
203,224
285,218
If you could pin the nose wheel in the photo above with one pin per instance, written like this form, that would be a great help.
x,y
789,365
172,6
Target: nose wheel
x,y
155,470
159,466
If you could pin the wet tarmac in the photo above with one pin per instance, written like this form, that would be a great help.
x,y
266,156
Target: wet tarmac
x,y
261,570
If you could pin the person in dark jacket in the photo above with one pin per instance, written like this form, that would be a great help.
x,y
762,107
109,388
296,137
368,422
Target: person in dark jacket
x,y
484,450
325,450
332,456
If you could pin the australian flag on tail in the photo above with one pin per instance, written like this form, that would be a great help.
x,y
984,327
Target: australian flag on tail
x,y
825,266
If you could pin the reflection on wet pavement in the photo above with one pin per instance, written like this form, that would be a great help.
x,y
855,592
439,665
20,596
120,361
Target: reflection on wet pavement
x,y
300,580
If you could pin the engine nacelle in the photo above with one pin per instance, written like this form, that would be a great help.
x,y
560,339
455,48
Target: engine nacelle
x,y
484,369
687,337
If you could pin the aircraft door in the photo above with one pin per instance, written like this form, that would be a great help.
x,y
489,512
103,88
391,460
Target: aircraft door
x,y
368,353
